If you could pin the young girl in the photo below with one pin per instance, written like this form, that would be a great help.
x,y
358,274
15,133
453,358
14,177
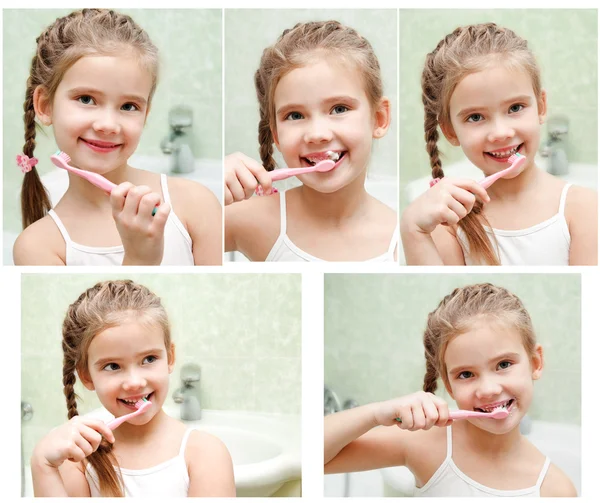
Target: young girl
x,y
319,89
480,341
117,340
93,78
482,86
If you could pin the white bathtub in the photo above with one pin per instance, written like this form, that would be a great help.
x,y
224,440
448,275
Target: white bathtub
x,y
384,188
561,442
359,484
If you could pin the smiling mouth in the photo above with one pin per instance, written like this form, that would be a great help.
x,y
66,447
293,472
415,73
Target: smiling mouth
x,y
131,403
502,405
332,155
101,145
503,155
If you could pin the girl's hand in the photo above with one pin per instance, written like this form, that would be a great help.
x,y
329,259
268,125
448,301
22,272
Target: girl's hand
x,y
74,440
419,411
242,177
142,234
447,202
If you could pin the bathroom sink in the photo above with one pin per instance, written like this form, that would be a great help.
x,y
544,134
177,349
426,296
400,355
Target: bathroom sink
x,y
585,175
264,447
208,172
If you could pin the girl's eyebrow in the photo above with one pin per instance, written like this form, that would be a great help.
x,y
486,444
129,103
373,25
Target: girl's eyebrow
x,y
90,90
467,111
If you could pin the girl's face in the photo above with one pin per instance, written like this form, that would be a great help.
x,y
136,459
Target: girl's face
x,y
494,113
99,111
127,363
323,107
487,366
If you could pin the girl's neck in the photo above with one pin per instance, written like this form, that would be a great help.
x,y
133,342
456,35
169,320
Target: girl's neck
x,y
336,206
127,432
489,444
511,188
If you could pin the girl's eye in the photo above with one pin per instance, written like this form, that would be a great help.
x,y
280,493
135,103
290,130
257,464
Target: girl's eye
x,y
475,118
150,359
130,107
504,365
340,109
86,100
517,107
293,116
465,374
111,366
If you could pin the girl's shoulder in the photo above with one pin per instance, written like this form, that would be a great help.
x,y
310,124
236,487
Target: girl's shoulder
x,y
557,484
40,244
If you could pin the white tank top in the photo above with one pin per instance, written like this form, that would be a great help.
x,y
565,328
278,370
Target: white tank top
x,y
546,243
178,243
166,480
284,250
449,480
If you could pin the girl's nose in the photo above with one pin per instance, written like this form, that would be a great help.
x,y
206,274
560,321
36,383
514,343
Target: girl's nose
x,y
134,381
318,131
488,388
500,130
107,122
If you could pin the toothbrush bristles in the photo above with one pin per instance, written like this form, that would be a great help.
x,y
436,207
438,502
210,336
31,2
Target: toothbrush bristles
x,y
333,156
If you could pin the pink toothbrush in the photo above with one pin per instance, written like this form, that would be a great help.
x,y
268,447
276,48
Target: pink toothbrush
x,y
516,161
142,405
321,167
499,413
61,160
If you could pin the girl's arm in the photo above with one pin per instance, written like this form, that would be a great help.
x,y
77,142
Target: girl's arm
x,y
209,466
352,443
581,212
441,247
203,216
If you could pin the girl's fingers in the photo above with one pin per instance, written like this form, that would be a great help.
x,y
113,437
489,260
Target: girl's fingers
x,y
464,197
418,414
159,219
132,201
75,454
474,188
227,196
83,444
450,217
248,181
147,204
457,208
102,428
237,190
92,436
118,195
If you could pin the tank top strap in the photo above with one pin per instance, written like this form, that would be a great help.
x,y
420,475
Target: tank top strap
x,y
184,441
165,188
540,479
394,241
449,442
283,214
61,227
563,198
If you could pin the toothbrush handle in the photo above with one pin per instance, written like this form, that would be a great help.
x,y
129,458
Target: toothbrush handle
x,y
489,180
282,174
464,414
118,421
99,181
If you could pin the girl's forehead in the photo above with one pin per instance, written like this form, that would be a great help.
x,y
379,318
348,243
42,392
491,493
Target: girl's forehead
x,y
130,336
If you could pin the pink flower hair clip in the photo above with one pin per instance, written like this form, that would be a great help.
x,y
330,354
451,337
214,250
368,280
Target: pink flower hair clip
x,y
433,182
26,163
260,191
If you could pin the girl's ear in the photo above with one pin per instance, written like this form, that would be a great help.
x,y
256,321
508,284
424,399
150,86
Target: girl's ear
x,y
86,380
383,118
42,105
171,358
449,133
537,362
275,138
542,106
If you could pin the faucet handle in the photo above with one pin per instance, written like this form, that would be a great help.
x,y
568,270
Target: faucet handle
x,y
190,373
558,125
180,116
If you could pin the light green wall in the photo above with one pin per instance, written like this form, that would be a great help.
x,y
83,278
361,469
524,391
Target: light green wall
x,y
189,43
565,43
374,327
249,32
250,356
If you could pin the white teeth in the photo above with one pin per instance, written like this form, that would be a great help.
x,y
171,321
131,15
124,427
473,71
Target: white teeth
x,y
506,153
333,156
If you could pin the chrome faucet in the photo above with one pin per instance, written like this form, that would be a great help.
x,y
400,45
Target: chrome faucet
x,y
179,142
189,393
332,404
555,148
